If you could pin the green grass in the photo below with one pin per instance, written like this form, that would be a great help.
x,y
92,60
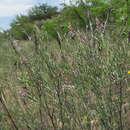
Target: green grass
x,y
69,88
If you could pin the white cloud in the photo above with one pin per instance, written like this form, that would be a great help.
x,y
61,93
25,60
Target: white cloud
x,y
14,7
12,2
13,10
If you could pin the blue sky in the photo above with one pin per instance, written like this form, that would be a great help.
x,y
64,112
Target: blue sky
x,y
10,8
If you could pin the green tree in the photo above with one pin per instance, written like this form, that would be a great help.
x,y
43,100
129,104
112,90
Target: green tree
x,y
42,11
75,15
21,27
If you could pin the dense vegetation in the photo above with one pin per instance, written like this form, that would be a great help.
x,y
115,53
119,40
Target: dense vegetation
x,y
66,69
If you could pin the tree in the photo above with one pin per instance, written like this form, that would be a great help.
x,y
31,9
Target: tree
x,y
75,15
42,11
21,27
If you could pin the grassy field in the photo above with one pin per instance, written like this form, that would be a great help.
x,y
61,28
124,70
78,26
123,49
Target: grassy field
x,y
82,86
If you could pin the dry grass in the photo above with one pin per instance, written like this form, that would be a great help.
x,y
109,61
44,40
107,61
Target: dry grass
x,y
78,87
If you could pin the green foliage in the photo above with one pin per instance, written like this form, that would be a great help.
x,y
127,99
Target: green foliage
x,y
100,10
21,27
54,26
76,15
80,15
119,11
42,12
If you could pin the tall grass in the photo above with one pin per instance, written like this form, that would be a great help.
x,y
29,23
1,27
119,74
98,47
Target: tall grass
x,y
82,86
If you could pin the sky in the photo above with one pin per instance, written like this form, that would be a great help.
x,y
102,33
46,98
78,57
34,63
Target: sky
x,y
10,8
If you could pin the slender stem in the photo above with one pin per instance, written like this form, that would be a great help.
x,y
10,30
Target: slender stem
x,y
120,107
8,113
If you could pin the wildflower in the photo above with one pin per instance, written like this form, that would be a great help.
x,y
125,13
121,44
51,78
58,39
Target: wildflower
x,y
86,118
